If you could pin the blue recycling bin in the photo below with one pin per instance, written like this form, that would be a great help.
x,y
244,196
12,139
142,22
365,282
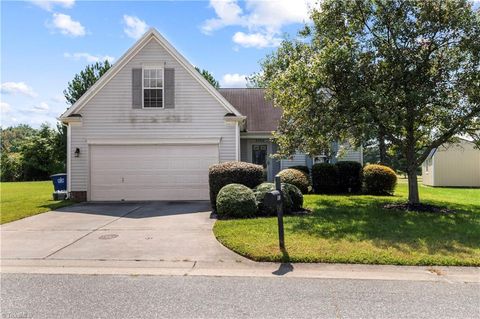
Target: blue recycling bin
x,y
59,182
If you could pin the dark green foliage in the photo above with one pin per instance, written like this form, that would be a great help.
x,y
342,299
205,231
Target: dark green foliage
x,y
405,73
31,154
295,177
14,137
236,200
292,199
84,80
302,168
11,168
209,77
325,178
260,191
226,173
379,180
40,159
295,195
349,176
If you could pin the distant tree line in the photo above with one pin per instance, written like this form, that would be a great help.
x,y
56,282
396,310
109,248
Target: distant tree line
x,y
30,154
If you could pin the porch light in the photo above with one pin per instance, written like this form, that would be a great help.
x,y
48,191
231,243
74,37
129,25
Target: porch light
x,y
77,152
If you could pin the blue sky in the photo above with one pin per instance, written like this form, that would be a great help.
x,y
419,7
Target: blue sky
x,y
44,43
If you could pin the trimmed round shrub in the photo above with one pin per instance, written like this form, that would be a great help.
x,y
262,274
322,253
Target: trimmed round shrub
x,y
302,168
325,178
236,200
292,199
379,179
260,191
295,195
226,173
295,177
349,176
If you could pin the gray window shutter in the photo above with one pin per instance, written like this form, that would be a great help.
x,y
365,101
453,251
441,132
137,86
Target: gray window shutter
x,y
137,88
169,83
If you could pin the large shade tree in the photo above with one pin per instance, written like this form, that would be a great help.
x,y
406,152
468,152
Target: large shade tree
x,y
408,71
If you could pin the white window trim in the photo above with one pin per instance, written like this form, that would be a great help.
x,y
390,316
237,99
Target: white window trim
x,y
161,67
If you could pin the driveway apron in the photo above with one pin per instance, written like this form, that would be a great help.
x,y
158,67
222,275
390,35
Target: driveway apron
x,y
162,231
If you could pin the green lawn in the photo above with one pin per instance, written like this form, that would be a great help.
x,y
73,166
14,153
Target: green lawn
x,y
356,229
22,199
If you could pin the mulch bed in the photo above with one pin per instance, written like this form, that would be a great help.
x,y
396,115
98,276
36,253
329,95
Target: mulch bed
x,y
422,208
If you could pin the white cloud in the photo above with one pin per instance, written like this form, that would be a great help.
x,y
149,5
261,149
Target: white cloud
x,y
4,107
88,57
17,88
263,19
256,40
134,27
273,15
66,25
42,107
234,80
228,13
50,4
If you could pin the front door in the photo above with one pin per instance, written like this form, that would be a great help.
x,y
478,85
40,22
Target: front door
x,y
259,154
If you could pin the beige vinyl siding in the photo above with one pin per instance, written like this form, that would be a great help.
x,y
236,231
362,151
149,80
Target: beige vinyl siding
x,y
109,114
456,165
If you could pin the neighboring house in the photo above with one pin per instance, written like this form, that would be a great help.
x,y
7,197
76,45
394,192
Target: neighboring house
x,y
151,126
453,165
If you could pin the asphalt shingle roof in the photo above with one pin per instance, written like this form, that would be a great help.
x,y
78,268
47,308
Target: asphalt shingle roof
x,y
260,113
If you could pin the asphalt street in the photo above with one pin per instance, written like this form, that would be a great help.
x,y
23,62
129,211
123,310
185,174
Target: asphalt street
x,y
113,296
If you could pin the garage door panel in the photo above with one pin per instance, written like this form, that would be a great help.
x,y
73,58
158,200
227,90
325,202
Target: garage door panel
x,y
151,172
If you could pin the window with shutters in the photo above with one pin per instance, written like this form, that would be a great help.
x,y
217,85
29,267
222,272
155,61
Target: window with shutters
x,y
152,88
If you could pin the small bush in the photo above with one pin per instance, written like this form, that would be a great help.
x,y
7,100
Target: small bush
x,y
292,199
260,191
295,177
325,178
295,195
226,173
236,200
349,176
379,179
302,168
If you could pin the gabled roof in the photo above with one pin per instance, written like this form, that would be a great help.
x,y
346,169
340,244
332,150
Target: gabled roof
x,y
144,40
260,113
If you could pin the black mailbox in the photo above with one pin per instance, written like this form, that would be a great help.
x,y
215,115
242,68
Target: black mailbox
x,y
272,198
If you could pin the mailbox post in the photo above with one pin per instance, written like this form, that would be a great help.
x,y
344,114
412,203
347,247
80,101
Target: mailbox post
x,y
274,199
281,234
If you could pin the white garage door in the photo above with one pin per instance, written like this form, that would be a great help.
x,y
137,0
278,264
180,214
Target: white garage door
x,y
150,172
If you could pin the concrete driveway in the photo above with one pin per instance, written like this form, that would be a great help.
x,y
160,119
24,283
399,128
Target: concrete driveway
x,y
159,231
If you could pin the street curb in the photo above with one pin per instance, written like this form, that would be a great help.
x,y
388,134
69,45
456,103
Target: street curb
x,y
241,269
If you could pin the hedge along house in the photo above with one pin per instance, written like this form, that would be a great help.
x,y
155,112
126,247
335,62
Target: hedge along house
x,y
151,126
456,165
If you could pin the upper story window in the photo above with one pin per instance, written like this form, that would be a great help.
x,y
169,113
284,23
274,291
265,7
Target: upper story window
x,y
152,87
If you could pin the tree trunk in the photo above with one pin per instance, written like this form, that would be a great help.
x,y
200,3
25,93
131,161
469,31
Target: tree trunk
x,y
382,149
413,197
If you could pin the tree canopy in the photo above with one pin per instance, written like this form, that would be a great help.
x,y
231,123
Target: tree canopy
x,y
32,154
209,77
408,70
84,80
